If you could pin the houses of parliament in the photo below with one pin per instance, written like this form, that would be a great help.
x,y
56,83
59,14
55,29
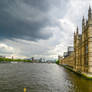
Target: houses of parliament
x,y
80,59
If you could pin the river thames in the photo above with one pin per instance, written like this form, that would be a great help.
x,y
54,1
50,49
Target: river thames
x,y
40,78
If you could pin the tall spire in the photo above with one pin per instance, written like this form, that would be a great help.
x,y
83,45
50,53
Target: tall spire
x,y
86,21
89,12
74,39
83,21
77,29
74,33
83,24
89,7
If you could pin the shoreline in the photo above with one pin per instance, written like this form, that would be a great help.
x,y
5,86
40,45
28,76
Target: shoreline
x,y
83,75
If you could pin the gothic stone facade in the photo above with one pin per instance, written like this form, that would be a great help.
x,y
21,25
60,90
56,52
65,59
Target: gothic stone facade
x,y
81,59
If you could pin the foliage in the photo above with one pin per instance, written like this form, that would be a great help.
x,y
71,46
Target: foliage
x,y
14,60
57,61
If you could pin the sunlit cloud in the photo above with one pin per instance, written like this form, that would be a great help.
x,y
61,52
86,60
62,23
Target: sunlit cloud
x,y
31,29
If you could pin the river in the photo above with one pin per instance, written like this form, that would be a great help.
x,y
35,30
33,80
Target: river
x,y
40,78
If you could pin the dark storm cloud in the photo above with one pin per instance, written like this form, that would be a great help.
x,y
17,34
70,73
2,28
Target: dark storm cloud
x,y
26,19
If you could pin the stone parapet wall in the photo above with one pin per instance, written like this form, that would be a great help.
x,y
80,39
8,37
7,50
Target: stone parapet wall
x,y
69,60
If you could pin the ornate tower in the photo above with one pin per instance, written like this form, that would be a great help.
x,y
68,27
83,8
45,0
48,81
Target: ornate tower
x,y
83,47
89,13
89,32
76,48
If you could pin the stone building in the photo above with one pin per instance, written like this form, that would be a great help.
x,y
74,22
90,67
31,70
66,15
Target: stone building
x,y
81,58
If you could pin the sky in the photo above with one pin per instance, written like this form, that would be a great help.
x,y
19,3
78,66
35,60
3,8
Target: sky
x,y
39,28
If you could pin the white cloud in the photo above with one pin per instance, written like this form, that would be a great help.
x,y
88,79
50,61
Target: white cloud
x,y
6,47
61,32
6,50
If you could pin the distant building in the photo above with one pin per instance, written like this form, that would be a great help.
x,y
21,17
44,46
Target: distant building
x,y
12,57
32,59
42,60
65,54
70,50
2,56
60,58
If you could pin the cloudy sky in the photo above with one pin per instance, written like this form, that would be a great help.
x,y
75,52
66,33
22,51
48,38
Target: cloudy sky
x,y
39,28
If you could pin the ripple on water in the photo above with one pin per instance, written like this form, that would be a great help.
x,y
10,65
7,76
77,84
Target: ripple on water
x,y
40,78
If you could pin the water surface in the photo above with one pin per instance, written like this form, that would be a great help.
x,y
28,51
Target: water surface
x,y
40,78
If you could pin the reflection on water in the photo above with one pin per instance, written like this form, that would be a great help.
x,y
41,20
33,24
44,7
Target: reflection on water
x,y
40,78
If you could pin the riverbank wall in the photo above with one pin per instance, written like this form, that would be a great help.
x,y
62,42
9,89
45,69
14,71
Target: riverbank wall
x,y
82,74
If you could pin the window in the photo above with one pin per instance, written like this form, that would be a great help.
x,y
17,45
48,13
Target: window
x,y
86,48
